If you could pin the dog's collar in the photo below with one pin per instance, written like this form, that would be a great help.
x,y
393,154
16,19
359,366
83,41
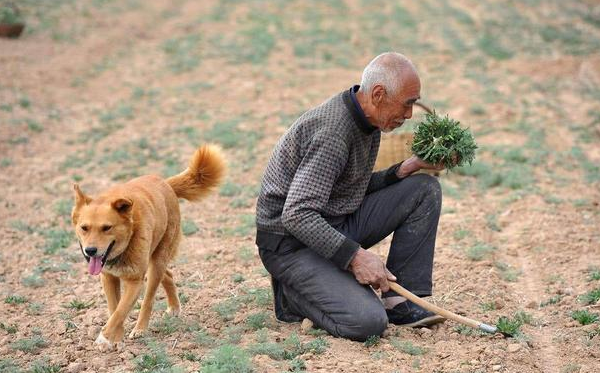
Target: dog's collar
x,y
114,260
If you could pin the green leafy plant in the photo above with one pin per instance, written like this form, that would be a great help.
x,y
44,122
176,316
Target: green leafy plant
x,y
10,15
509,327
584,317
442,141
591,297
227,359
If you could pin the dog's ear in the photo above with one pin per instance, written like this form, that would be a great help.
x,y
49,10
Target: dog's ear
x,y
80,200
122,205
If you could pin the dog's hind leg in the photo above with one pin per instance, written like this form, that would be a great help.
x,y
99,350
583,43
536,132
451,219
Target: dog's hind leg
x,y
112,290
156,271
171,290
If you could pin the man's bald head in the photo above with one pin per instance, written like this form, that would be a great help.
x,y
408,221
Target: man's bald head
x,y
388,69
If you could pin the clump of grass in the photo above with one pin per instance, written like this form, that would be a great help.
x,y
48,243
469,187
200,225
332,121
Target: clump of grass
x,y
479,251
56,239
246,253
33,281
442,141
372,341
238,278
189,227
512,327
202,338
297,365
591,297
408,347
507,272
9,328
79,305
168,324
289,349
15,299
593,274
155,360
44,366
227,359
229,189
257,321
584,317
32,344
552,300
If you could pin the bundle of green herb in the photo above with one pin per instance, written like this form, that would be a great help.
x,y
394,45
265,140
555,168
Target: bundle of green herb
x,y
442,141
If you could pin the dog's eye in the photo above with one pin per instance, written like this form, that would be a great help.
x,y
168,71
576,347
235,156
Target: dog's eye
x,y
84,228
106,228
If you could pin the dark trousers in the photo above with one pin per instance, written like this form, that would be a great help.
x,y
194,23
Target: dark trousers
x,y
306,284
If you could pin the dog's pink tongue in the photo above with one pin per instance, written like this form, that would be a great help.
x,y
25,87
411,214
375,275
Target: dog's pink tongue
x,y
95,265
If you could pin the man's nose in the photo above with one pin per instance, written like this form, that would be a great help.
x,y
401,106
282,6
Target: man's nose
x,y
91,251
408,113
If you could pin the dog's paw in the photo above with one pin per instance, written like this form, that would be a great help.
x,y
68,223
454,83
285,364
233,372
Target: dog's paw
x,y
172,311
103,344
136,333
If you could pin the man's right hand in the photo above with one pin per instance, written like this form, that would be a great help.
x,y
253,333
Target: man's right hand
x,y
370,270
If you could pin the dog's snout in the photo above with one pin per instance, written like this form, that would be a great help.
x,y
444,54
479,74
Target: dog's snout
x,y
91,251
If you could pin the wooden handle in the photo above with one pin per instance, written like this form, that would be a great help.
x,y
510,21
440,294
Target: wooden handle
x,y
433,308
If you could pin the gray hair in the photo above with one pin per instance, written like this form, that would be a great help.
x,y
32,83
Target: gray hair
x,y
385,70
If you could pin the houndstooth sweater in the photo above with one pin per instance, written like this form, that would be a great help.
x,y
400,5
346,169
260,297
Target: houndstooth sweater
x,y
320,171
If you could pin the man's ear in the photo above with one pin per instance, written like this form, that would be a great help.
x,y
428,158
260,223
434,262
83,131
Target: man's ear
x,y
122,205
378,94
80,198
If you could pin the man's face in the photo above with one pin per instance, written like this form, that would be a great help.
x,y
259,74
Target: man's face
x,y
392,111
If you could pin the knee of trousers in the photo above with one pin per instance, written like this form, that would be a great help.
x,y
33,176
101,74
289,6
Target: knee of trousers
x,y
430,185
364,324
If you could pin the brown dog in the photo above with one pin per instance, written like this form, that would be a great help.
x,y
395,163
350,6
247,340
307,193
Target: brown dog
x,y
133,230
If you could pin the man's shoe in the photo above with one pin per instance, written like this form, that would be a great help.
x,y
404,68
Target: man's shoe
x,y
410,315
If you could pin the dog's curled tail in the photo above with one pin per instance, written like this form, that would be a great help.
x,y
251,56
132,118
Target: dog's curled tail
x,y
204,173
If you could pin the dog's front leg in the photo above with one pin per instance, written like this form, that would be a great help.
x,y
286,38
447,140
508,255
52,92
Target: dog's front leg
x,y
112,289
113,331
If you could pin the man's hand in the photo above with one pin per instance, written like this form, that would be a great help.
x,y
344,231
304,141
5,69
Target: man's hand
x,y
370,270
414,164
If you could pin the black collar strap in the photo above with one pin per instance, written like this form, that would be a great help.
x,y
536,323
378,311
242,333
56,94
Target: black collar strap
x,y
357,113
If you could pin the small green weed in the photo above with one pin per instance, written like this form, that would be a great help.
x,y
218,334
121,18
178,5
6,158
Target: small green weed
x,y
479,251
9,328
227,359
461,233
56,239
33,281
230,189
591,297
202,338
189,227
155,360
168,324
593,274
238,278
584,317
507,272
407,347
30,345
507,326
372,341
257,321
552,300
44,366
15,299
79,305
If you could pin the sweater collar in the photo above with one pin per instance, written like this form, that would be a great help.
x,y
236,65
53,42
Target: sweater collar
x,y
358,114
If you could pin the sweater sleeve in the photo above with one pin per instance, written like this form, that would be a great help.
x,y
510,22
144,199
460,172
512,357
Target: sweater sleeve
x,y
309,192
383,178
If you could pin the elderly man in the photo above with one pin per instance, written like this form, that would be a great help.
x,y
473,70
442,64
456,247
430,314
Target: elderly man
x,y
321,207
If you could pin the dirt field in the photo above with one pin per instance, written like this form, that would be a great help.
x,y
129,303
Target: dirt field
x,y
99,91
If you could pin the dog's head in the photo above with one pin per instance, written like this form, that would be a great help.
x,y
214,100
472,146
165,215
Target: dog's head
x,y
103,227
